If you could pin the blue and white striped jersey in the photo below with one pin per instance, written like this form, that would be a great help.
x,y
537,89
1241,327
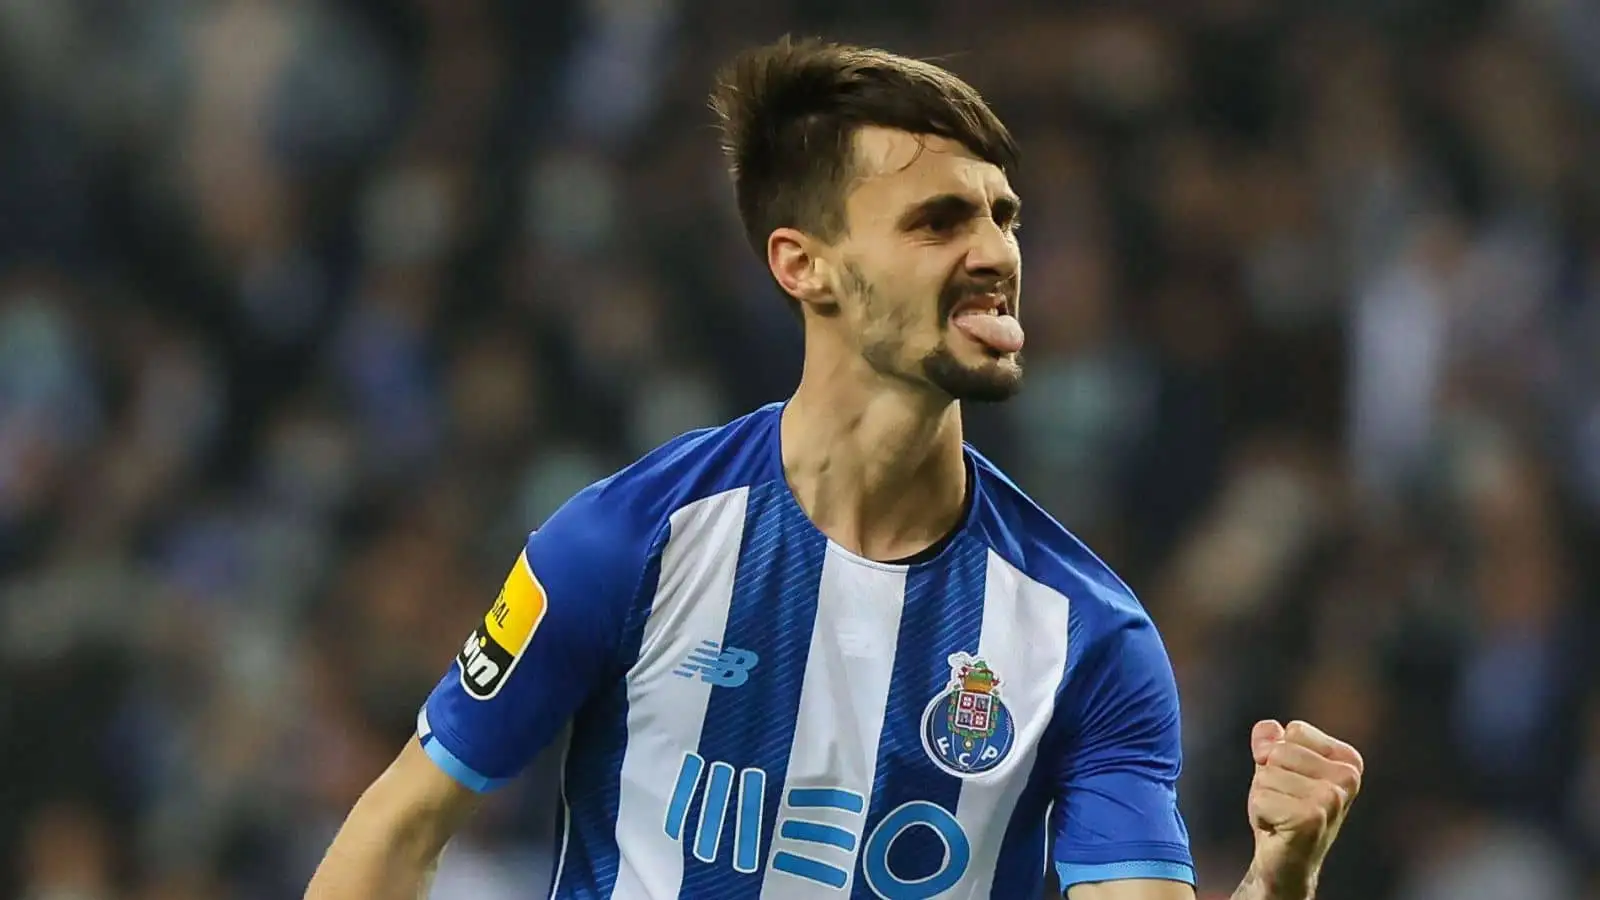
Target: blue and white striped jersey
x,y
758,713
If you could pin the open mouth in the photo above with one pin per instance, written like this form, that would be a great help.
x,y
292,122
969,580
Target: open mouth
x,y
992,304
989,320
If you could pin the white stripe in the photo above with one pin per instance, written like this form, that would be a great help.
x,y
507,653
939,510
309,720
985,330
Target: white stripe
x,y
842,703
665,711
566,816
1049,810
1024,639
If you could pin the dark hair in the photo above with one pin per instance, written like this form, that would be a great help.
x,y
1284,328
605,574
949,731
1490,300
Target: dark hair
x,y
789,112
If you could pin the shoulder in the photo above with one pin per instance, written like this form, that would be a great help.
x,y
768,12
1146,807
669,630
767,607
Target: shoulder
x,y
621,517
1124,689
1032,541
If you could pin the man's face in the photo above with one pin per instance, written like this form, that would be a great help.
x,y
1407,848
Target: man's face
x,y
929,274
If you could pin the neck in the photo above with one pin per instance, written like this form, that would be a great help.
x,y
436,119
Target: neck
x,y
876,464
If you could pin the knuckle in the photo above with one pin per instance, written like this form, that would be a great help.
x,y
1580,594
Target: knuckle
x,y
1360,762
1325,769
1330,798
1346,751
1309,734
1350,779
1310,815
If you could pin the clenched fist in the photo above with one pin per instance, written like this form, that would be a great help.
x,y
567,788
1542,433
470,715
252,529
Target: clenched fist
x,y
1304,784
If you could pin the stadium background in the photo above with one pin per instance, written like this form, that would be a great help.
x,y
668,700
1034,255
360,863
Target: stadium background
x,y
309,310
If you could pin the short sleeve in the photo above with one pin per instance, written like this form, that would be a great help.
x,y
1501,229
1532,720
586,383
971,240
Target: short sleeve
x,y
1116,814
549,640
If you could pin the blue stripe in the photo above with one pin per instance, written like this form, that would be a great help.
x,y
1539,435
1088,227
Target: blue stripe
x,y
1156,869
714,812
827,798
747,834
683,792
810,869
773,610
943,614
455,768
818,833
594,764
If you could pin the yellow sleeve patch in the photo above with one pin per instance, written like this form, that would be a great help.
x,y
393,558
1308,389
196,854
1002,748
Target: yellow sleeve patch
x,y
518,610
494,648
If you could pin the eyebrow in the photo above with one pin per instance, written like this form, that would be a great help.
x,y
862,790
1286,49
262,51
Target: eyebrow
x,y
1004,208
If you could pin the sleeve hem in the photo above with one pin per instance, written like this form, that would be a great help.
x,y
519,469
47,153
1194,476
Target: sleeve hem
x,y
1154,869
451,764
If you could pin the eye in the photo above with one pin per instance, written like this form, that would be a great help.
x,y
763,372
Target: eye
x,y
943,223
1008,215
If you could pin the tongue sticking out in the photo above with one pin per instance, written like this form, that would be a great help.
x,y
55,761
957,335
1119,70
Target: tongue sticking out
x,y
1002,333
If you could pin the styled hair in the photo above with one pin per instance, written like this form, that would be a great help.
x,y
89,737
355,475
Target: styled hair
x,y
789,112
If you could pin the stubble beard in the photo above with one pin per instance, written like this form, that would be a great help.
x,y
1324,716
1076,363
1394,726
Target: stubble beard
x,y
993,382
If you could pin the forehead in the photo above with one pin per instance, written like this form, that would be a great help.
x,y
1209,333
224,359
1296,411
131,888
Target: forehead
x,y
896,168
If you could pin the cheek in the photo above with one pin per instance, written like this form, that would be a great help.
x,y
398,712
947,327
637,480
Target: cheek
x,y
888,331
900,303
899,315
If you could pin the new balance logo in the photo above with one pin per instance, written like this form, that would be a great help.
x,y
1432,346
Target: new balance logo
x,y
717,665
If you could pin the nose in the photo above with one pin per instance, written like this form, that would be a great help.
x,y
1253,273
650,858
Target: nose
x,y
993,252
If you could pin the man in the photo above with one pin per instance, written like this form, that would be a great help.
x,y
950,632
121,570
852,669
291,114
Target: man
x,y
827,649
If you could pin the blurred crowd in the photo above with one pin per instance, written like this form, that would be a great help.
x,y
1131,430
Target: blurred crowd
x,y
310,309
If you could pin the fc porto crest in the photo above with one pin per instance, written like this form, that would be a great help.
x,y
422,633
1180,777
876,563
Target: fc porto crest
x,y
967,730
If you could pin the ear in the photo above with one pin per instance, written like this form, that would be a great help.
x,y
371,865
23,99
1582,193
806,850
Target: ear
x,y
798,267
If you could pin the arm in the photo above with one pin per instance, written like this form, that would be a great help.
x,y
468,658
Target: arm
x,y
390,844
557,620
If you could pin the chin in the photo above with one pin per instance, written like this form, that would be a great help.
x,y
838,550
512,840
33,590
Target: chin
x,y
990,381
